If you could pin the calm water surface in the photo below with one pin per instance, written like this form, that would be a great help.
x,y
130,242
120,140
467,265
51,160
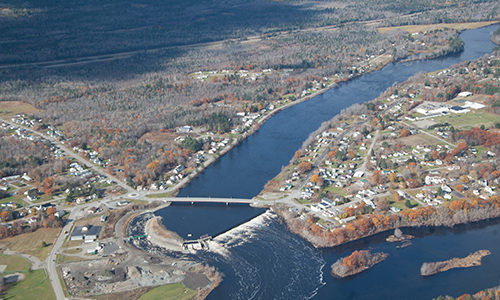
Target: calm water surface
x,y
268,262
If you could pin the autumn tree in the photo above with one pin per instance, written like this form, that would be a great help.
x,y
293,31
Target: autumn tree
x,y
304,167
316,179
404,132
392,177
377,178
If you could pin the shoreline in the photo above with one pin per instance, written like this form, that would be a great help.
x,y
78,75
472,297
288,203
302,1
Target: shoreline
x,y
311,238
174,190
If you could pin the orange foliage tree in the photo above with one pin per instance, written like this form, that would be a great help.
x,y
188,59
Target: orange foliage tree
x,y
304,167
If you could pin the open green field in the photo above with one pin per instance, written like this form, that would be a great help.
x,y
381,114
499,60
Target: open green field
x,y
175,291
31,243
401,204
336,190
421,28
15,198
14,263
12,108
36,285
62,259
469,120
161,195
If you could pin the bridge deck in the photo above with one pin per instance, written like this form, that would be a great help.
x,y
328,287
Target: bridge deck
x,y
208,200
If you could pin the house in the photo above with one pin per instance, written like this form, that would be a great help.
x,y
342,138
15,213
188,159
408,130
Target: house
x,y
185,129
464,94
445,188
60,213
26,177
85,233
433,180
359,174
395,209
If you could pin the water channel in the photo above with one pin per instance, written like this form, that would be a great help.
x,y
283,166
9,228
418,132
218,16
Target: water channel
x,y
265,261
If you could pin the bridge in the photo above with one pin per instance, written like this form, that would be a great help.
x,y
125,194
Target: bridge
x,y
194,200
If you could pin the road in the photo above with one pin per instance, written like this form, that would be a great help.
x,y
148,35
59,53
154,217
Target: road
x,y
51,260
363,166
76,212
74,155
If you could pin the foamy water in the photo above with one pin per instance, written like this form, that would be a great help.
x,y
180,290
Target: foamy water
x,y
261,260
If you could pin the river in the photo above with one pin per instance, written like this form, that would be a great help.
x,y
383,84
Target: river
x,y
265,261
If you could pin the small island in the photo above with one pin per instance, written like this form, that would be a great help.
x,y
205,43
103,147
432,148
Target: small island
x,y
356,263
472,260
399,236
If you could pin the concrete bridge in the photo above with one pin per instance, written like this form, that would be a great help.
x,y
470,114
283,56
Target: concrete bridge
x,y
194,200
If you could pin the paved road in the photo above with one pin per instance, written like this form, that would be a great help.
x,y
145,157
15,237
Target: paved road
x,y
51,260
363,166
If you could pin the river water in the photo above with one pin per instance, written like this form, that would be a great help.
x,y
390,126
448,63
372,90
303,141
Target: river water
x,y
262,260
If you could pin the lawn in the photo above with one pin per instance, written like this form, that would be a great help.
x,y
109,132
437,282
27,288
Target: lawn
x,y
420,139
15,198
175,291
303,201
14,263
160,195
336,190
62,259
31,243
11,108
401,204
36,285
469,120
421,28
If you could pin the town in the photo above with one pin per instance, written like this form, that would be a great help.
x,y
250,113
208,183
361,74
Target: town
x,y
431,141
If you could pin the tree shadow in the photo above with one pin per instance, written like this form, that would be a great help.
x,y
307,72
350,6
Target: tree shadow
x,y
120,39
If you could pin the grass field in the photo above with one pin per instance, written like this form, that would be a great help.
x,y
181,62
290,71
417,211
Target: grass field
x,y
175,291
62,259
161,195
11,108
419,139
469,120
14,263
36,285
401,204
31,243
336,190
420,28
15,198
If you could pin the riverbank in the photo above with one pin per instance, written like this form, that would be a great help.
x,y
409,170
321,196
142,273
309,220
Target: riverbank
x,y
326,239
381,62
161,236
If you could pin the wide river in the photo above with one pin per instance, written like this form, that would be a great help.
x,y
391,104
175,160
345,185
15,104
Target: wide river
x,y
265,261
